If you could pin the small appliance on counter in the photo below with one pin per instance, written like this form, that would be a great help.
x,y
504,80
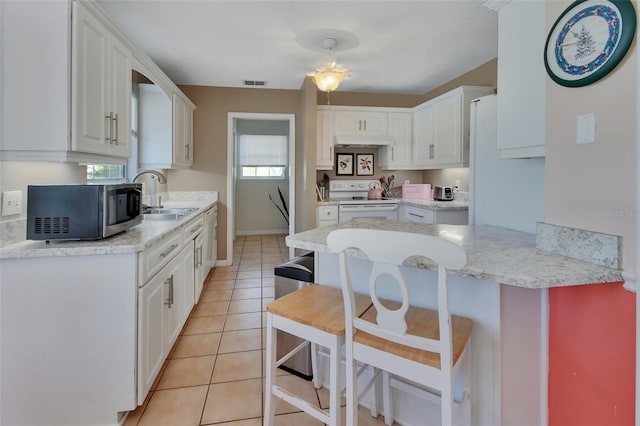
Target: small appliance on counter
x,y
82,212
374,193
443,193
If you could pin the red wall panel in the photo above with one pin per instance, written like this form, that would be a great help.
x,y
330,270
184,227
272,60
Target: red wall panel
x,y
591,355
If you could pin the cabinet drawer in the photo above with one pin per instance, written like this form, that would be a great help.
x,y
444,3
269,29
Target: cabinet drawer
x,y
418,215
158,253
327,212
193,228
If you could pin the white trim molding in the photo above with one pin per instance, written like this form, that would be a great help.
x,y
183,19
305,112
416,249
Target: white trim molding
x,y
630,283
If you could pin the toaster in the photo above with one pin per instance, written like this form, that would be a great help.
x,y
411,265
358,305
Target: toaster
x,y
443,193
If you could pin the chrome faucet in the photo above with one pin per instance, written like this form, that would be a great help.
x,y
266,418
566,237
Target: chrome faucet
x,y
152,187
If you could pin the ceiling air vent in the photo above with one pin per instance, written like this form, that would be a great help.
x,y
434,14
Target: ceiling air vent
x,y
254,82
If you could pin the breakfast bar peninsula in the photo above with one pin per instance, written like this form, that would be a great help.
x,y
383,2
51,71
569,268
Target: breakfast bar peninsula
x,y
503,288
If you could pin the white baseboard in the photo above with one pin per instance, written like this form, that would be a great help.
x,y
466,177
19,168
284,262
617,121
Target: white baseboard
x,y
264,232
630,282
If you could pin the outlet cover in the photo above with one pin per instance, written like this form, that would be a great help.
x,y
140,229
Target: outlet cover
x,y
11,203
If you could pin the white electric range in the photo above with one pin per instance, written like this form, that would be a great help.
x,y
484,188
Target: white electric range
x,y
353,202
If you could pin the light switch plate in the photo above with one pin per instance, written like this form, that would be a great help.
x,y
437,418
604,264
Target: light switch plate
x,y
11,203
586,128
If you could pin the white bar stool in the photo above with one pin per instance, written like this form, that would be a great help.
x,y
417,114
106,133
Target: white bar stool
x,y
316,314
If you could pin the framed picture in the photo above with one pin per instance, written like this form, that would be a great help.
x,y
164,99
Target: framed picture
x,y
364,164
344,164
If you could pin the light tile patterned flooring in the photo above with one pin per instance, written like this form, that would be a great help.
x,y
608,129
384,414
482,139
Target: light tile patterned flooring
x,y
215,372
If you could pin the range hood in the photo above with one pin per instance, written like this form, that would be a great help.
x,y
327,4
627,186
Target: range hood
x,y
363,141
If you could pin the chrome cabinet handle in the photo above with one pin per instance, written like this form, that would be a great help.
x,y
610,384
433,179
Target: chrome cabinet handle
x,y
359,124
171,290
114,136
392,154
166,253
186,151
196,229
200,256
431,151
416,215
167,282
109,118
365,125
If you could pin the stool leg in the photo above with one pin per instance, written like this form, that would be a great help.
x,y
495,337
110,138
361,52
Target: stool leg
x,y
314,366
334,380
269,403
352,388
387,402
373,392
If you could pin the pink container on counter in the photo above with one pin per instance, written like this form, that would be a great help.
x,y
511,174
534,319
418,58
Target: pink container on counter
x,y
416,190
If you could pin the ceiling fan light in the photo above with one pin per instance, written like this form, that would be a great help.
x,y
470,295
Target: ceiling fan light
x,y
329,76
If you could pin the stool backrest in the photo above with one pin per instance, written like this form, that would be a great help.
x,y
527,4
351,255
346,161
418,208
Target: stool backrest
x,y
388,250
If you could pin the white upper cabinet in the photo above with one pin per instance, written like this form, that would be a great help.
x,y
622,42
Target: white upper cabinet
x,y
101,88
70,72
441,129
324,140
521,80
165,129
398,155
356,123
182,132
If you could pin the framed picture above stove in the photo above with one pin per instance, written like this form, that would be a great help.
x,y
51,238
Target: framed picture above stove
x,y
364,164
344,164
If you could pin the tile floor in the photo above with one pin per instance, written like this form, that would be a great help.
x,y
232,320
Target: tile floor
x,y
215,372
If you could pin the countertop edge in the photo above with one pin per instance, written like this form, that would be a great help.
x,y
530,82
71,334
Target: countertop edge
x,y
132,240
554,266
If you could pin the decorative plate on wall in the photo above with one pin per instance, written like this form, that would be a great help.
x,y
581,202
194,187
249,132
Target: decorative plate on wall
x,y
588,40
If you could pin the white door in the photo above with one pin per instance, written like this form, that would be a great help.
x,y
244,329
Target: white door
x,y
448,130
173,310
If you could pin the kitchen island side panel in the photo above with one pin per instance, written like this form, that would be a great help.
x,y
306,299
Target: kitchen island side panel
x,y
68,335
591,355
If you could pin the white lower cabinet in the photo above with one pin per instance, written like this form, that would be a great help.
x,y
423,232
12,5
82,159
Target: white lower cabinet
x,y
160,320
189,259
428,216
326,215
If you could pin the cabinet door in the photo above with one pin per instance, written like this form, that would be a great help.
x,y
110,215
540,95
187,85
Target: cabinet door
x,y
324,140
398,155
173,312
374,123
423,136
448,130
521,80
152,350
182,132
189,261
120,98
360,123
91,122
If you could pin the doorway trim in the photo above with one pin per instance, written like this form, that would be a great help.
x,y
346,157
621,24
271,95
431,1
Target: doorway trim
x,y
231,170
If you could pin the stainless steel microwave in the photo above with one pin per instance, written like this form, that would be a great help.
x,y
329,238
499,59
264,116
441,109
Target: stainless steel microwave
x,y
82,212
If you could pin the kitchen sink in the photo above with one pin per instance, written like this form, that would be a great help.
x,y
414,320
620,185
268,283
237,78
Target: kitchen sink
x,y
168,213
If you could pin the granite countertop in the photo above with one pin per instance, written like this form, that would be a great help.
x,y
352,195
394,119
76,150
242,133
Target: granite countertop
x,y
417,202
132,240
493,254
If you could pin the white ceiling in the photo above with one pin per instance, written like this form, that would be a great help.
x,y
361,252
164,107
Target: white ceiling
x,y
389,46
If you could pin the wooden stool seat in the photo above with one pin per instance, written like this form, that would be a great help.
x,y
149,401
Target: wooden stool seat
x,y
318,306
423,323
314,313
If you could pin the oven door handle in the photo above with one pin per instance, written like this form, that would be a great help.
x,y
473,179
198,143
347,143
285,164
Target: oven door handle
x,y
370,207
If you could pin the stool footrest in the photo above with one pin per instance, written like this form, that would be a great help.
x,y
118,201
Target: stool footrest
x,y
303,405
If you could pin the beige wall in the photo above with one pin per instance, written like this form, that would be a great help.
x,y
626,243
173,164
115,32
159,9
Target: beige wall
x,y
593,186
209,171
16,175
447,177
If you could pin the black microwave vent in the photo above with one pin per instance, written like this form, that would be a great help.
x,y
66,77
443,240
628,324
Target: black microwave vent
x,y
52,225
